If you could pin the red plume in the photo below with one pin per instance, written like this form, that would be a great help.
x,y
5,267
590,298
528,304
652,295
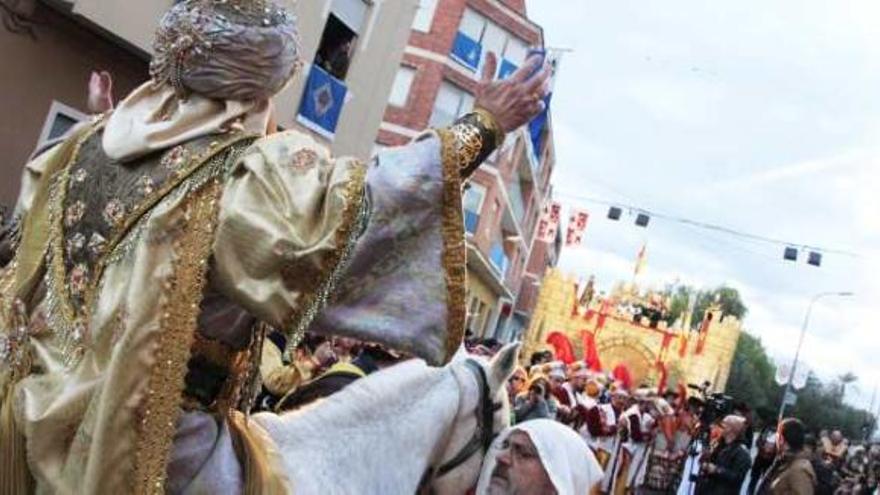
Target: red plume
x,y
561,346
622,375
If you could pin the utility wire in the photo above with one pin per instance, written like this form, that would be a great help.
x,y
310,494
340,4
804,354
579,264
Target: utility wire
x,y
705,225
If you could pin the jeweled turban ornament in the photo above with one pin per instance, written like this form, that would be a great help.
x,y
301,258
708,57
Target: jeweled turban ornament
x,y
226,49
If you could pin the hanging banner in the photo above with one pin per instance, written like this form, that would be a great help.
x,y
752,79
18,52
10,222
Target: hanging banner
x,y
548,223
322,102
577,225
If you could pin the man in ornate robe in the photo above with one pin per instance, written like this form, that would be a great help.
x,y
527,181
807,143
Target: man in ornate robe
x,y
606,429
634,429
159,241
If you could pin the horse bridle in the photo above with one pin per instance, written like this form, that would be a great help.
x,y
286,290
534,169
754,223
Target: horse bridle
x,y
483,435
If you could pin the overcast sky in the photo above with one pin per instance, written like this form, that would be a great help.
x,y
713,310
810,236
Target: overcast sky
x,y
759,116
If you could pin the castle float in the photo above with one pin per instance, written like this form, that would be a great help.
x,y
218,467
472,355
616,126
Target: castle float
x,y
624,330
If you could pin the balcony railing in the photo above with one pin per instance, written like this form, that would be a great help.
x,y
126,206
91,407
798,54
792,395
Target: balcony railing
x,y
471,221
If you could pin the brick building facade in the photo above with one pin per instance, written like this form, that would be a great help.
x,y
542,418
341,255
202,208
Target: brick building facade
x,y
434,84
60,42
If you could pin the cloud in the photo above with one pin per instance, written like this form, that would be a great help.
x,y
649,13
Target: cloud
x,y
754,115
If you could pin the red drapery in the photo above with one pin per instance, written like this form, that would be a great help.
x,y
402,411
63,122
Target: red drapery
x,y
591,354
561,347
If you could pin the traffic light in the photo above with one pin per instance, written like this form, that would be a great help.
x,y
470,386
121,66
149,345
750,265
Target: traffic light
x,y
642,220
791,254
614,213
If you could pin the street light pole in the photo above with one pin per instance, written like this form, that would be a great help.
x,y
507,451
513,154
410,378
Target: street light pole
x,y
797,352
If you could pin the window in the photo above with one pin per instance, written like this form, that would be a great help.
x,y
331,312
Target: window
x,y
425,15
515,50
400,88
475,319
492,38
472,24
473,202
473,197
60,119
340,35
451,102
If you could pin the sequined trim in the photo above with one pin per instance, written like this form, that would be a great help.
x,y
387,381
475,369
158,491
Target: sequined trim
x,y
180,308
15,356
477,135
454,250
70,297
354,217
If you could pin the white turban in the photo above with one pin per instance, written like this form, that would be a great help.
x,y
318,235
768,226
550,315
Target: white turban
x,y
216,64
226,49
570,464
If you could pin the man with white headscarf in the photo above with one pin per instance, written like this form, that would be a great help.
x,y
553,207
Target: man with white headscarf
x,y
539,457
159,241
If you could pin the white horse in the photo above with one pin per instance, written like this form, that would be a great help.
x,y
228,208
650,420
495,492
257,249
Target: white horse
x,y
406,429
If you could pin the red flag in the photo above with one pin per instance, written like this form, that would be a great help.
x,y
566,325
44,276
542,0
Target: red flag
x,y
548,222
562,347
704,332
683,347
591,354
664,347
641,259
664,375
577,224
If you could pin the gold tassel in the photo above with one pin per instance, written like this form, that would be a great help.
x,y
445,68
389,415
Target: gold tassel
x,y
15,477
256,452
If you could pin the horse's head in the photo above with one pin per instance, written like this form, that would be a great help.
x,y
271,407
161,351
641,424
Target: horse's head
x,y
483,412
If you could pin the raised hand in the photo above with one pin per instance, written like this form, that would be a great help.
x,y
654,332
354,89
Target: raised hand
x,y
100,92
517,99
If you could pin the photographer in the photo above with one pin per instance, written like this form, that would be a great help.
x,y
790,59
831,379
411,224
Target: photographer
x,y
532,405
725,468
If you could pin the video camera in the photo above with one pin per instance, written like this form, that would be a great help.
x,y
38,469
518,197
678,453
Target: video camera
x,y
715,405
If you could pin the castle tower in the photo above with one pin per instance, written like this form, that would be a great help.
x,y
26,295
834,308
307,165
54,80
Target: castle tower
x,y
687,356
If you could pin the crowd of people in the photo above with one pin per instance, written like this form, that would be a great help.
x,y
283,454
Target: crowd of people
x,y
153,248
643,442
652,443
838,465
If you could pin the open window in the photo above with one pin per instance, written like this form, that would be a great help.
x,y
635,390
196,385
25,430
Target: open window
x,y
335,49
325,92
340,36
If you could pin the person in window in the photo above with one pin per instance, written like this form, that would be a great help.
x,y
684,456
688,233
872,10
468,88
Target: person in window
x,y
338,60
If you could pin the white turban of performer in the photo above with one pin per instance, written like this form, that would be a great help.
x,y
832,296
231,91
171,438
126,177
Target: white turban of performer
x,y
569,463
216,65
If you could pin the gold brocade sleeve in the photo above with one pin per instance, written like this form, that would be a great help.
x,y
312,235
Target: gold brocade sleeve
x,y
288,216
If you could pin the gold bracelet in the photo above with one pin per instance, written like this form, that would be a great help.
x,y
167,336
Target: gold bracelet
x,y
491,123
477,135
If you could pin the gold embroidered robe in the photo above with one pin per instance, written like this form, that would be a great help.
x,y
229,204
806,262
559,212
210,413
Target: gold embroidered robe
x,y
269,232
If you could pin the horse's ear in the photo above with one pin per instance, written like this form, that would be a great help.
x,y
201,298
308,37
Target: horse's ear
x,y
504,362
